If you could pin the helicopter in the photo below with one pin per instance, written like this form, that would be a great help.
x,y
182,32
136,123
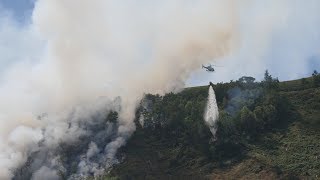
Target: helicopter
x,y
208,68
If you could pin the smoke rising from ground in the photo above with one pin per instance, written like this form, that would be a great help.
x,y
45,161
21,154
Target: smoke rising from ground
x,y
94,57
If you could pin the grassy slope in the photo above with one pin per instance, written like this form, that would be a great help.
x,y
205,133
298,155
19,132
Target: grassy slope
x,y
289,151
293,151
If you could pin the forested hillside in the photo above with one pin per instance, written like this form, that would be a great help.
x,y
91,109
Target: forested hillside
x,y
266,130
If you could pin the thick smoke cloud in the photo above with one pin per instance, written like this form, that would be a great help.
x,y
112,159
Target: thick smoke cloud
x,y
92,57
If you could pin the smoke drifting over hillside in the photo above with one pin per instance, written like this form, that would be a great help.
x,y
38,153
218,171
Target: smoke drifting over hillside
x,y
80,59
99,56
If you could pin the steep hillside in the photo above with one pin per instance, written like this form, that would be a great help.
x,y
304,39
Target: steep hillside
x,y
266,131
290,151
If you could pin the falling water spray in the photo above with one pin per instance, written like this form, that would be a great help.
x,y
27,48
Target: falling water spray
x,y
211,114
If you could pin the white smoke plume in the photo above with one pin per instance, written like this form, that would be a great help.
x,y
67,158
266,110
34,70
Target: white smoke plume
x,y
45,173
90,53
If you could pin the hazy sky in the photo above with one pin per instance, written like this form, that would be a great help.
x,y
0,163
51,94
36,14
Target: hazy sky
x,y
298,39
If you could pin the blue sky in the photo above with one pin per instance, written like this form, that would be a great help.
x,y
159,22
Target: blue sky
x,y
299,39
21,9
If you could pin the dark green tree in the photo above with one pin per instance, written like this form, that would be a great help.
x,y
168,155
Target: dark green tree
x,y
112,116
316,78
267,76
247,120
270,83
246,79
315,73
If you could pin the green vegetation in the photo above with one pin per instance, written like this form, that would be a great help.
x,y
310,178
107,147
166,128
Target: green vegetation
x,y
266,130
